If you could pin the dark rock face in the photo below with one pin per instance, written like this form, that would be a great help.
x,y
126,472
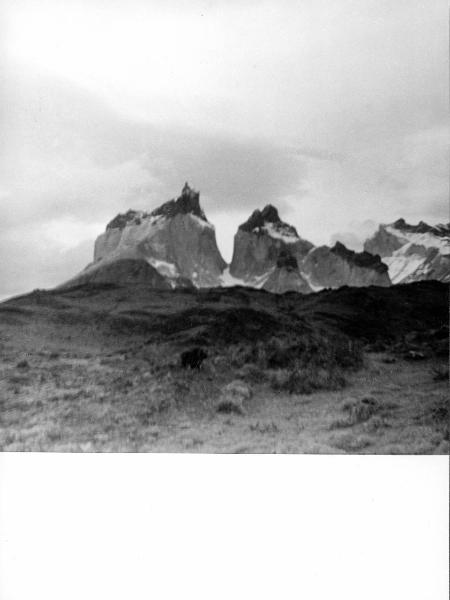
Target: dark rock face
x,y
338,266
382,243
176,239
259,218
123,219
263,244
188,202
286,276
268,253
286,279
360,259
285,260
422,227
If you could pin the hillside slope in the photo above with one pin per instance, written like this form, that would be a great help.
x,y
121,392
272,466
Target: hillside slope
x,y
97,367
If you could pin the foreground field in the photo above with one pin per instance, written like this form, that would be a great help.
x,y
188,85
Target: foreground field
x,y
85,370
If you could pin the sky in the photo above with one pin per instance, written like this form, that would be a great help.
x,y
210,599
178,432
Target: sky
x,y
333,111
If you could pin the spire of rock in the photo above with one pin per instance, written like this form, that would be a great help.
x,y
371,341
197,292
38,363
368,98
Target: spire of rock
x,y
188,202
421,227
259,218
187,190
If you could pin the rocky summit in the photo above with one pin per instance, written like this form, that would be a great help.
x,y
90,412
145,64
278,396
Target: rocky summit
x,y
269,253
175,246
331,267
176,239
413,252
259,244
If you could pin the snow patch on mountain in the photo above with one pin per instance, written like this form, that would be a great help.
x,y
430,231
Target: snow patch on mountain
x,y
413,252
227,280
308,278
278,232
166,269
401,266
427,240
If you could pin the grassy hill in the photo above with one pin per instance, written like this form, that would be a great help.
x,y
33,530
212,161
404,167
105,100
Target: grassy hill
x,y
97,367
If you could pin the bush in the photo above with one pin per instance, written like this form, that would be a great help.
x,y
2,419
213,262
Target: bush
x,y
306,380
298,364
361,410
350,443
229,405
233,396
312,348
440,373
252,373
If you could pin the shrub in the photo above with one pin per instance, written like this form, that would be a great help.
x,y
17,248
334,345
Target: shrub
x,y
264,427
350,443
23,364
252,373
233,396
440,373
230,405
361,410
305,380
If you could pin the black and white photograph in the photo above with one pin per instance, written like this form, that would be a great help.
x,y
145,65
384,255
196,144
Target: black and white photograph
x,y
224,227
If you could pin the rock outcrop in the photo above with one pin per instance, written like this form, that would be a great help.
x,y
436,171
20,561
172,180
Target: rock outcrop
x,y
269,253
286,277
413,252
175,245
176,239
338,266
258,244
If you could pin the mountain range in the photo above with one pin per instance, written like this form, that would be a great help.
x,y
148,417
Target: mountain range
x,y
175,246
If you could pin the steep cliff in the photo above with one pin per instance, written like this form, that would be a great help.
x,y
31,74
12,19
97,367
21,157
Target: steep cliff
x,y
258,244
338,266
286,277
413,252
176,239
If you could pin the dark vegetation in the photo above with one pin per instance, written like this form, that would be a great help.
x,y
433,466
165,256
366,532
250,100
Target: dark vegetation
x,y
101,366
295,343
193,359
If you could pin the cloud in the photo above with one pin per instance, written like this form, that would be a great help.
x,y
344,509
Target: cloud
x,y
71,163
355,238
333,111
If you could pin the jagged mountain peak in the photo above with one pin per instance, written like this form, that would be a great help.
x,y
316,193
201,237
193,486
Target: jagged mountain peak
x,y
413,252
440,230
121,220
187,203
260,219
360,259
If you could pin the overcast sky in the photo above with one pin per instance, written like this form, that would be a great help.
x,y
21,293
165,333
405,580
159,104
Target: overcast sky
x,y
334,111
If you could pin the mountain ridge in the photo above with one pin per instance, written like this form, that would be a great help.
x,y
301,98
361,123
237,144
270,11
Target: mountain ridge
x,y
178,242
413,252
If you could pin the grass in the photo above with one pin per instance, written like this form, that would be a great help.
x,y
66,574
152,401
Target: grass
x,y
299,364
105,388
348,442
440,373
306,380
